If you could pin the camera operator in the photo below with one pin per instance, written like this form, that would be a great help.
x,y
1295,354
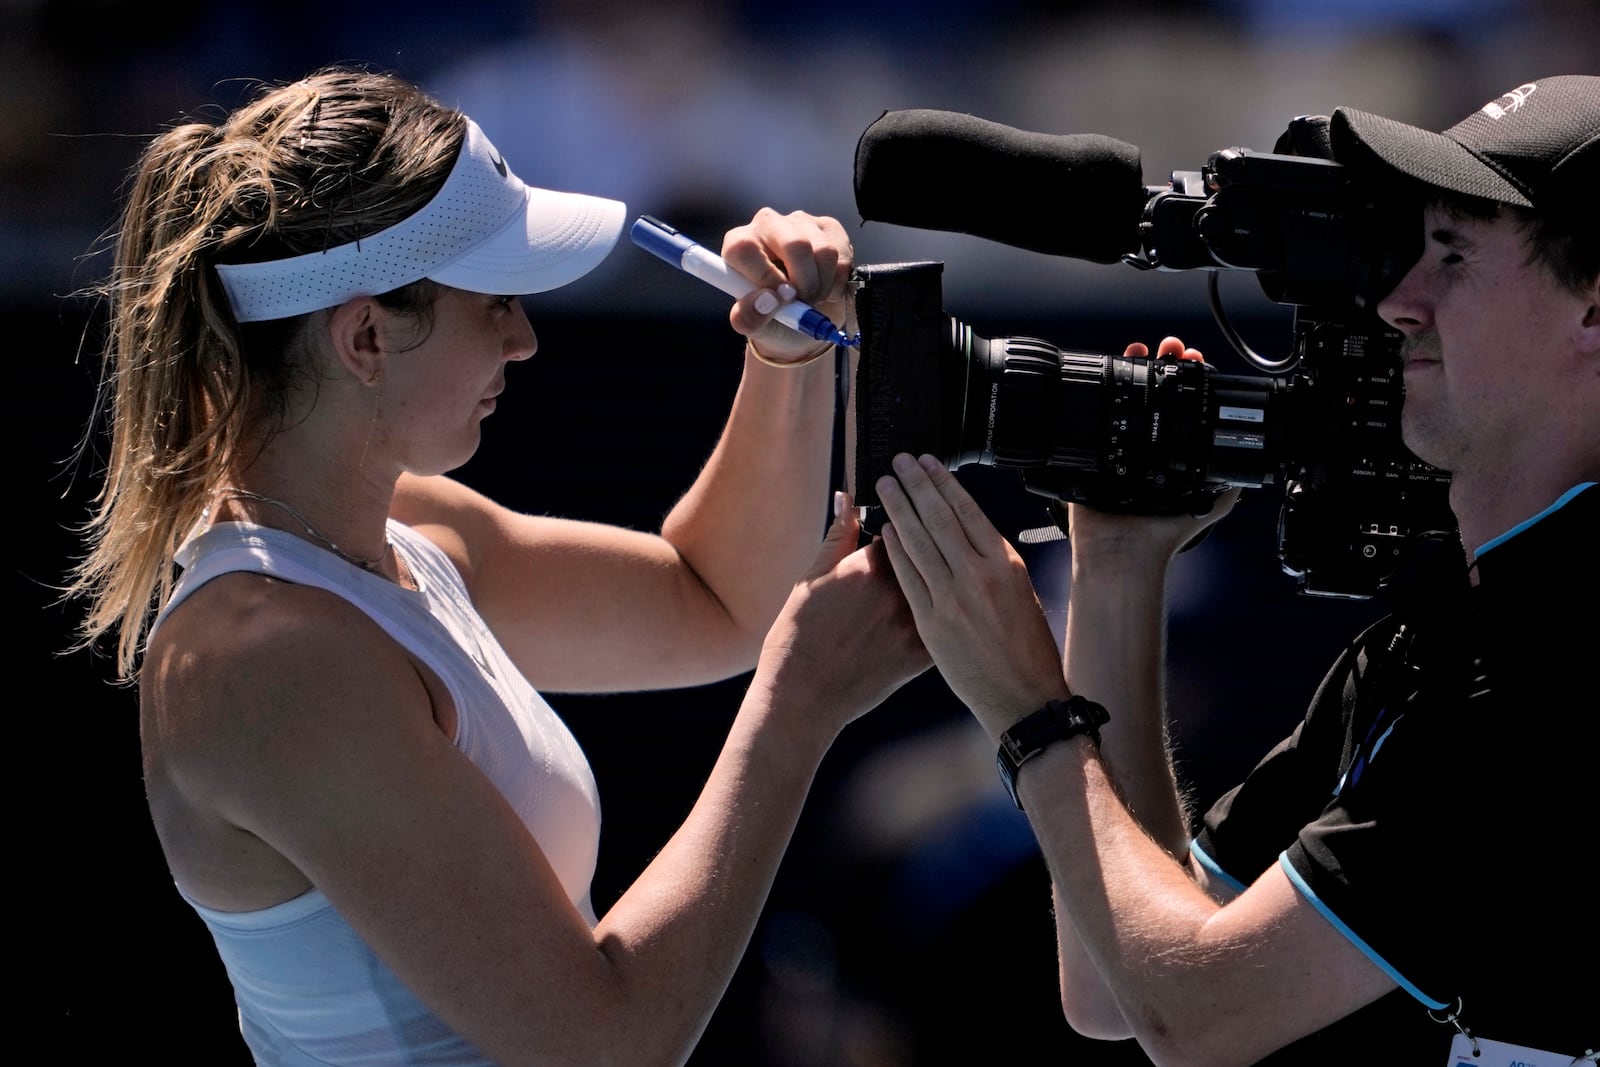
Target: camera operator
x,y
1396,880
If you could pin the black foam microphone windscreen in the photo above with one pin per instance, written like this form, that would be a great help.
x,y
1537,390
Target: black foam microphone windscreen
x,y
1079,195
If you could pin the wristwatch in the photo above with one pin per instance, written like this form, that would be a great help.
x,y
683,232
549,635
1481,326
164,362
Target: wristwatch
x,y
1056,721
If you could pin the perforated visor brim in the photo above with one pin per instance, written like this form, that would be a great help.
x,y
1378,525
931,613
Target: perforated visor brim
x,y
484,231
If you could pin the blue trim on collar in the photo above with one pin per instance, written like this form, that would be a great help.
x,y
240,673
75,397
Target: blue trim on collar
x,y
1524,524
1350,935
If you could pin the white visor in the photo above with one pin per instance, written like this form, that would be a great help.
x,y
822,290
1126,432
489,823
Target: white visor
x,y
484,232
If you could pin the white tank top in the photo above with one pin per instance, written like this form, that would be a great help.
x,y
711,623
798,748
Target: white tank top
x,y
309,990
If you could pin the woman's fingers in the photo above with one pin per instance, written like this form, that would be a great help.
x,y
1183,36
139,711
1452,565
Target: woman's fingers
x,y
808,254
788,257
841,538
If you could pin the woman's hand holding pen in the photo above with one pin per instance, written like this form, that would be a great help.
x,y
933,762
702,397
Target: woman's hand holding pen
x,y
794,256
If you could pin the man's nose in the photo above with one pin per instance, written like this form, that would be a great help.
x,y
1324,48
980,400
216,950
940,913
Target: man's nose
x,y
1406,308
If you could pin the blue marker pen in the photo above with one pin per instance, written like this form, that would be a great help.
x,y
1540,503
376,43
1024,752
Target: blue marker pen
x,y
657,238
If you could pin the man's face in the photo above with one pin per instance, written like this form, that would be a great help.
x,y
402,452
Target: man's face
x,y
1484,328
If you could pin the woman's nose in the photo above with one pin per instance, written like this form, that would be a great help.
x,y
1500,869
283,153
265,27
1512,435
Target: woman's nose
x,y
523,341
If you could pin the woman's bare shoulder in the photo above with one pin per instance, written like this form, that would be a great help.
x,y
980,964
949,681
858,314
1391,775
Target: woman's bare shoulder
x,y
249,664
256,696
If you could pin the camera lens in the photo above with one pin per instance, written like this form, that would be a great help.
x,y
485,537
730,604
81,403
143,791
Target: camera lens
x,y
1140,434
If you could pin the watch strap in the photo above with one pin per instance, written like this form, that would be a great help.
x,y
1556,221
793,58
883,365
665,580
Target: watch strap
x,y
1032,734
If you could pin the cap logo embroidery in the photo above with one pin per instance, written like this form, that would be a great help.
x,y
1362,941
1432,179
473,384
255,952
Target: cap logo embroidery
x,y
1513,101
499,162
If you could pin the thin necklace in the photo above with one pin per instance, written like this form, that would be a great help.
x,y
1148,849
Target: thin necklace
x,y
228,492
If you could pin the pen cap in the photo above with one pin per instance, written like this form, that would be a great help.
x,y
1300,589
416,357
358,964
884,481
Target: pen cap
x,y
659,239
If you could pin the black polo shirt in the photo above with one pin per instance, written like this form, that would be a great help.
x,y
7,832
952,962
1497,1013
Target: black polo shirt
x,y
1438,803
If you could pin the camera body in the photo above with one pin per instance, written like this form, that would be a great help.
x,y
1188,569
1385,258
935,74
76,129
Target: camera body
x,y
1165,436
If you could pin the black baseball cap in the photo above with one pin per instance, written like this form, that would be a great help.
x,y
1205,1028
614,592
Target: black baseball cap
x,y
1536,146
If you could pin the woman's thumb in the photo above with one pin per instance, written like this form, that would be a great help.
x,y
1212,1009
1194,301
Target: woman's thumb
x,y
842,537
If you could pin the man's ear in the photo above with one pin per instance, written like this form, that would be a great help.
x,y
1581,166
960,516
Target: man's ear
x,y
355,331
1589,326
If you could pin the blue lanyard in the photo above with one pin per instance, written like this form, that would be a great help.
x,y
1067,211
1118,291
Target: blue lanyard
x,y
1368,747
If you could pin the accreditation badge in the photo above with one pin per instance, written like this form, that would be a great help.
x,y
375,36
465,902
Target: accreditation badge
x,y
1480,1052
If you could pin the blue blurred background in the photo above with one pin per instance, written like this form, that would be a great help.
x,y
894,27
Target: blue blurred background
x,y
910,922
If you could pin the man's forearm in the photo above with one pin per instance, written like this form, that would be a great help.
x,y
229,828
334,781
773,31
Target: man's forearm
x,y
1129,920
1115,655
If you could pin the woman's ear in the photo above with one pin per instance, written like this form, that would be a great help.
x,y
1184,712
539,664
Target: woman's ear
x,y
355,329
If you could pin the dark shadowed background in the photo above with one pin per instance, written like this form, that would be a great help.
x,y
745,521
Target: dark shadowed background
x,y
910,921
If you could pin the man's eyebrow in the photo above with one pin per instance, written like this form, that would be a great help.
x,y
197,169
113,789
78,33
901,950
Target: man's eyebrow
x,y
1449,238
